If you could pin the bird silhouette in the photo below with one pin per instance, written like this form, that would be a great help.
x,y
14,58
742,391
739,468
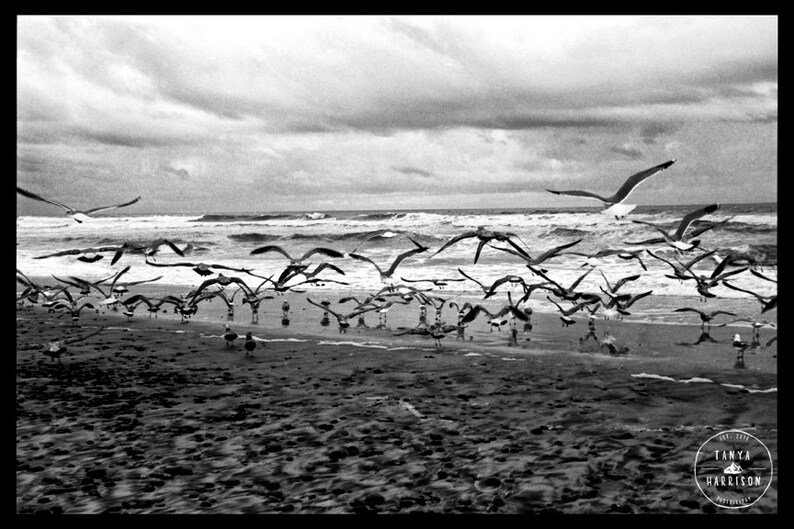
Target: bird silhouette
x,y
485,236
614,203
75,214
385,275
767,302
677,238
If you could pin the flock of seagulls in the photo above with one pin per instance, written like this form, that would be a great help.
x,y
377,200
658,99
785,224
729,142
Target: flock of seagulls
x,y
569,300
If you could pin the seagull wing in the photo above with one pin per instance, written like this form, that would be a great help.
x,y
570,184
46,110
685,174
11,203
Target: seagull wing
x,y
646,242
58,254
547,278
689,217
323,251
81,338
191,265
762,276
479,249
323,266
34,196
165,242
336,314
622,281
455,239
474,312
636,179
401,258
654,226
697,259
579,193
554,251
742,290
496,284
689,309
555,303
117,276
710,226
136,298
366,259
271,248
769,305
141,281
576,283
636,298
728,274
464,274
522,254
105,208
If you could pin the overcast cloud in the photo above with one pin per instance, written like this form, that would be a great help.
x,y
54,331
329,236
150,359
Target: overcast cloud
x,y
261,113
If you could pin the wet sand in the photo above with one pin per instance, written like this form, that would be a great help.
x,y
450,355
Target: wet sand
x,y
156,416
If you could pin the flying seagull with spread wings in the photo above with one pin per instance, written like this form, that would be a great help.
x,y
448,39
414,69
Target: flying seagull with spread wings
x,y
677,238
614,203
76,214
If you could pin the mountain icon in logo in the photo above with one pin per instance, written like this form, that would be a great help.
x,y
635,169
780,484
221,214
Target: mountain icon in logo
x,y
733,468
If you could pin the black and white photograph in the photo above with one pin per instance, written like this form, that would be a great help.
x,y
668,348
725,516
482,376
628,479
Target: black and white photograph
x,y
316,264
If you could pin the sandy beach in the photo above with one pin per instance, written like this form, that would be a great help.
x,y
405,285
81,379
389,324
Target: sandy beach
x,y
156,416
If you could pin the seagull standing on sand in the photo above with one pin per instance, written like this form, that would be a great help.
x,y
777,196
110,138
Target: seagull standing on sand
x,y
250,344
230,336
615,203
740,346
76,214
56,348
608,343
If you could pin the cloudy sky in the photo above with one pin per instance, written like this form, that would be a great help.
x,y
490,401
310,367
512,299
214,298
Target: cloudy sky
x,y
280,113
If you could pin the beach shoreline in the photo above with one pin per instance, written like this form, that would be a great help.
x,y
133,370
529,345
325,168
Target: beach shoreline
x,y
156,416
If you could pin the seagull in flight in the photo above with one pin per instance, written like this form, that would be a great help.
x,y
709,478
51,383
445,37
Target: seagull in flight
x,y
767,303
614,203
485,236
386,274
677,239
297,261
494,320
201,269
680,270
76,214
553,252
696,230
296,264
705,317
